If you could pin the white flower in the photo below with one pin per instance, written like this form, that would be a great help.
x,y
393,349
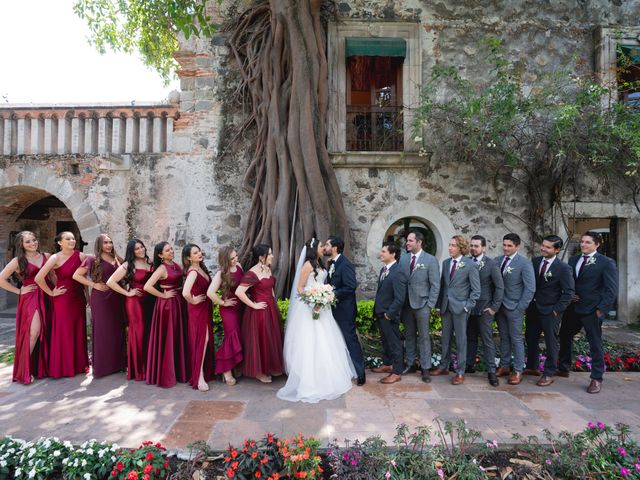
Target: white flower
x,y
547,275
87,476
481,265
508,270
65,461
68,444
84,462
419,265
113,459
32,452
18,472
32,473
114,447
101,453
417,139
3,463
56,453
591,260
75,462
90,451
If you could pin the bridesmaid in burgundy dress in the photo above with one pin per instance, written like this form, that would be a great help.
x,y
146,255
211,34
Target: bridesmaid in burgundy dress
x,y
30,359
107,308
227,279
167,361
138,305
68,343
261,323
201,346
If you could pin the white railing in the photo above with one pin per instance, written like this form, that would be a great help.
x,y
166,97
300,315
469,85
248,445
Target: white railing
x,y
27,129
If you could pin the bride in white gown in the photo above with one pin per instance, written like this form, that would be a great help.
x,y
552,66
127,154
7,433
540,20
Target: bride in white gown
x,y
315,355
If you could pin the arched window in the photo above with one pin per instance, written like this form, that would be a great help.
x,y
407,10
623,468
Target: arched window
x,y
399,230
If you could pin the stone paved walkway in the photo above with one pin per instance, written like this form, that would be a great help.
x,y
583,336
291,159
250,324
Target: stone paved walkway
x,y
113,409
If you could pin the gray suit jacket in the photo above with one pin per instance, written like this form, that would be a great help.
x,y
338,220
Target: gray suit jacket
x,y
424,282
519,283
460,292
491,286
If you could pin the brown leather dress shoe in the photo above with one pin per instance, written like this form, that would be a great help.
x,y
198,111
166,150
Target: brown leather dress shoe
x,y
382,369
594,387
503,372
391,378
440,371
515,378
562,373
531,371
457,380
544,381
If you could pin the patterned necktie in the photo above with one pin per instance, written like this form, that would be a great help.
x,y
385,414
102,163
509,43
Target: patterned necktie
x,y
475,259
384,273
543,270
413,263
453,269
504,264
585,259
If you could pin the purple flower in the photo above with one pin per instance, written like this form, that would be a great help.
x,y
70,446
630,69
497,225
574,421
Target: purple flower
x,y
591,425
638,467
601,425
440,473
624,472
622,451
547,461
354,463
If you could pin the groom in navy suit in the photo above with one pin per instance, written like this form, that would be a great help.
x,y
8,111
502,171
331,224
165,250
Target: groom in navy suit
x,y
342,276
596,278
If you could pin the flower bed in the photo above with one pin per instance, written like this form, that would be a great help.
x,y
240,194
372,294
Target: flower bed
x,y
449,451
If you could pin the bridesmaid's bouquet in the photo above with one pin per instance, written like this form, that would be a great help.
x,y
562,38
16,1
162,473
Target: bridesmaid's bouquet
x,y
318,297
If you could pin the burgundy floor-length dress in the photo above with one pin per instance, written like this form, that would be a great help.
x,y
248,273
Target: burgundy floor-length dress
x,y
139,310
229,355
201,322
35,364
261,329
68,346
107,324
167,361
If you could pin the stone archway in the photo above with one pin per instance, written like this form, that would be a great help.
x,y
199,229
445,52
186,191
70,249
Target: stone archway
x,y
431,216
20,203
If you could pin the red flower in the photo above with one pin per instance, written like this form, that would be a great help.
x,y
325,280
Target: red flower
x,y
119,466
254,454
148,468
257,474
113,473
166,464
146,477
149,456
230,473
133,475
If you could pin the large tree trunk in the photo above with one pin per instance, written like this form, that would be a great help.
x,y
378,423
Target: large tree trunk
x,y
279,46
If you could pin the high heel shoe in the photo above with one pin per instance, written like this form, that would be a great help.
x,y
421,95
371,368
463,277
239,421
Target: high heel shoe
x,y
230,380
264,378
203,388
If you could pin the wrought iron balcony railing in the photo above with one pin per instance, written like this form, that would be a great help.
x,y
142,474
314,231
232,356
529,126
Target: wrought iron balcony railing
x,y
374,129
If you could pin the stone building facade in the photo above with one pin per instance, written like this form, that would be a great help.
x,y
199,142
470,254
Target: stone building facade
x,y
174,171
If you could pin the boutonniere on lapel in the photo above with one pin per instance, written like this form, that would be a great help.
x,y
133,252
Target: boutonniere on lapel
x,y
547,275
508,270
591,260
481,265
418,266
461,264
332,269
385,274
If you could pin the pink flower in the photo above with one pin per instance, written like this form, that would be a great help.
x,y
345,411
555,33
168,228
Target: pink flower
x,y
393,462
601,425
638,467
591,425
547,461
624,472
440,473
387,475
622,451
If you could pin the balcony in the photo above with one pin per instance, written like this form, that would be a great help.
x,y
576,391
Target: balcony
x,y
374,129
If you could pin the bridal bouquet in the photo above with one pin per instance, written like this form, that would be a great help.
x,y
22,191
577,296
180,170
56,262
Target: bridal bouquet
x,y
318,297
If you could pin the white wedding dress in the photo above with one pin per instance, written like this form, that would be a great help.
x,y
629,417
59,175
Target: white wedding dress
x,y
315,355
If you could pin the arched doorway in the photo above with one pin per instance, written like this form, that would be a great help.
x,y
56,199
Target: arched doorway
x,y
34,209
399,230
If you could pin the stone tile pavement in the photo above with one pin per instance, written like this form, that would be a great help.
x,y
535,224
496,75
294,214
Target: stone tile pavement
x,y
128,413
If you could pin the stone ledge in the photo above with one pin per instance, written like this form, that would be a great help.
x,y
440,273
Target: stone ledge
x,y
379,160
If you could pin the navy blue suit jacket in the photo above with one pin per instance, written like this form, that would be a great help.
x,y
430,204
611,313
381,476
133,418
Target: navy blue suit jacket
x,y
555,290
392,290
343,280
597,285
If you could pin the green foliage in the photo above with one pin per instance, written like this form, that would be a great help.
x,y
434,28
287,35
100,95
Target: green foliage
x,y
8,355
530,131
90,461
150,27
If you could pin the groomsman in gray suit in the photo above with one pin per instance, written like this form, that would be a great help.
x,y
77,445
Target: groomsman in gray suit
x,y
459,290
423,287
482,315
519,289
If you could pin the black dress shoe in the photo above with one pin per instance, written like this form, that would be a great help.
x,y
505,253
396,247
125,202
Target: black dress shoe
x,y
493,380
469,370
426,376
409,369
361,380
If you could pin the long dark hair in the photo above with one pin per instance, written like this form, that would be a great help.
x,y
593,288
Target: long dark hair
x,y
224,261
96,271
130,258
58,238
312,255
186,263
157,250
21,255
258,251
